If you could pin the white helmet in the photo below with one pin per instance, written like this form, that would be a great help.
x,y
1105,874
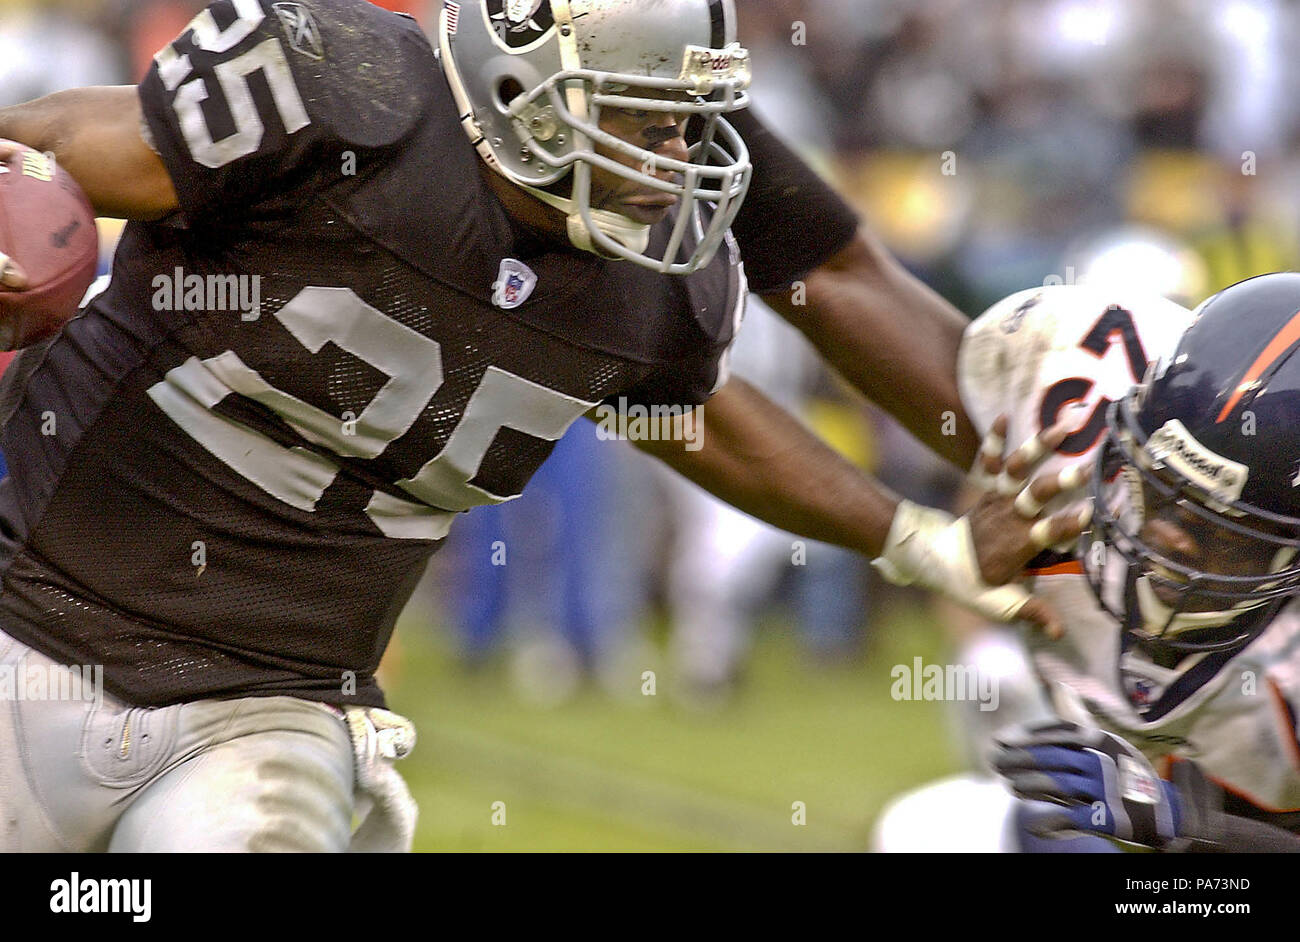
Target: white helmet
x,y
530,78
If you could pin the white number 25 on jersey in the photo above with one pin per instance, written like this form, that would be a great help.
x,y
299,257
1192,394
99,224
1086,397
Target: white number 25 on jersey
x,y
177,72
299,476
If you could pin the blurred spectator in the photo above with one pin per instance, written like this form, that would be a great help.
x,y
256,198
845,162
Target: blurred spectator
x,y
52,45
559,575
724,566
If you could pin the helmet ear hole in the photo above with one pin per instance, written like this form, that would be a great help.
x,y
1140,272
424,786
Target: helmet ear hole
x,y
508,89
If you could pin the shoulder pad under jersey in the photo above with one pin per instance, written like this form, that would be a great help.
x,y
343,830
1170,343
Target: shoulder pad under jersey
x,y
364,73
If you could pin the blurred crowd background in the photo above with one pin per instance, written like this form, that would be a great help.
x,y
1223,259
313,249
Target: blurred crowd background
x,y
993,144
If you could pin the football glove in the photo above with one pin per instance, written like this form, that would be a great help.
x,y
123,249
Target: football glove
x,y
383,803
1091,782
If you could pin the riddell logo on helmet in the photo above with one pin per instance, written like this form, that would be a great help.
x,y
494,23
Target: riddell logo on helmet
x,y
1218,476
705,66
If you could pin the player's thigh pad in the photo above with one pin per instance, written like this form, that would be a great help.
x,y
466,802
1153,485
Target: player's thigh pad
x,y
70,754
25,821
258,774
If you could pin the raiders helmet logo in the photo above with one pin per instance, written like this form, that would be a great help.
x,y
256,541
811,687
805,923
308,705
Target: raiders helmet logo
x,y
519,24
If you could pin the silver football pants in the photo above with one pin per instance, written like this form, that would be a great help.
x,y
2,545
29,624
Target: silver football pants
x,y
254,774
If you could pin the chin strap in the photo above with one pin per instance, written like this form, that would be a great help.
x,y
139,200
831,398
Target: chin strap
x,y
1156,613
621,229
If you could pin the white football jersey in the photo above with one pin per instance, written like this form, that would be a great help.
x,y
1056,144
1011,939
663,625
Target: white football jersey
x,y
1056,352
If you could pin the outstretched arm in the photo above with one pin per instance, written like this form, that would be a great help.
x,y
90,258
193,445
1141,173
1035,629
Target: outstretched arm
x,y
96,134
758,458
891,337
810,257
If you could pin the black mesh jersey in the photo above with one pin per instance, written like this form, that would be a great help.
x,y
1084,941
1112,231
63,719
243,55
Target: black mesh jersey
x,y
229,471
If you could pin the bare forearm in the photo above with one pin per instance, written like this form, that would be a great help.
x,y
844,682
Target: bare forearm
x,y
758,458
95,133
891,337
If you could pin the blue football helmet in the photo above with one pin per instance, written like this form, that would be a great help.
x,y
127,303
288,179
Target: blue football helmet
x,y
1197,490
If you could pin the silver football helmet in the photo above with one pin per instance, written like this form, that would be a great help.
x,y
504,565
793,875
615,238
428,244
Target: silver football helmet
x,y
531,76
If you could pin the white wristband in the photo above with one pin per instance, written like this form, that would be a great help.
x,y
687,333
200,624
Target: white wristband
x,y
929,547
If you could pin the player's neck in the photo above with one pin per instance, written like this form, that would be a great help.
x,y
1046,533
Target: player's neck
x,y
545,221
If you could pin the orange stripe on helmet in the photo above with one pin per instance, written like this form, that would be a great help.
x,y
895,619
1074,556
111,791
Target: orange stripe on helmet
x,y
1280,344
1071,568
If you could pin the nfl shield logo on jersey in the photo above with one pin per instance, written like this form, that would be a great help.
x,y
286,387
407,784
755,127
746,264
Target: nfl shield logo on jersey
x,y
1141,690
514,284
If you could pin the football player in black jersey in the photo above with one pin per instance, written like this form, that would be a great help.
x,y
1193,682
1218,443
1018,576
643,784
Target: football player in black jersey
x,y
366,287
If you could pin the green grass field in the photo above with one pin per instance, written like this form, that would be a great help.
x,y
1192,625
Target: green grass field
x,y
644,774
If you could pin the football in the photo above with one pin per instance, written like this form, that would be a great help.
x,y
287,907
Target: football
x,y
48,227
